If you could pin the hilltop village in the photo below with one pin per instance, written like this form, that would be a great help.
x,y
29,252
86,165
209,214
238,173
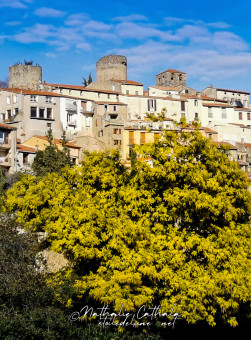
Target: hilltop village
x,y
111,113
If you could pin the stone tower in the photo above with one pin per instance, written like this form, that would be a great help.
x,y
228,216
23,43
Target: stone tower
x,y
25,76
171,77
111,67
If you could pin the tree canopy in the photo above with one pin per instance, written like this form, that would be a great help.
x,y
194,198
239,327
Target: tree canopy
x,y
173,232
51,159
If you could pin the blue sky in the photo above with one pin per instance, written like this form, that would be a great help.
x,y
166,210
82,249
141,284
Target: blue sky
x,y
209,40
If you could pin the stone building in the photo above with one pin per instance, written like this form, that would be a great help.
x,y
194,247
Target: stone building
x,y
27,77
171,77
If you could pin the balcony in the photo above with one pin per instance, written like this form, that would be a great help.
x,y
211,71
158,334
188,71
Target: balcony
x,y
71,107
88,111
72,123
5,144
5,162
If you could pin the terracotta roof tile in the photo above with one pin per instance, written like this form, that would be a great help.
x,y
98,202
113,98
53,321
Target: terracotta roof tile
x,y
172,71
234,91
6,126
24,148
127,82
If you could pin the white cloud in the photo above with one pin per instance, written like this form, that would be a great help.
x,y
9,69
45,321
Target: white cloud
x,y
141,31
50,55
37,33
195,34
84,46
13,23
77,19
228,41
14,3
45,12
132,17
174,21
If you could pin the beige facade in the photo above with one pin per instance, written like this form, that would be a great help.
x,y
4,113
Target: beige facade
x,y
8,142
32,112
40,143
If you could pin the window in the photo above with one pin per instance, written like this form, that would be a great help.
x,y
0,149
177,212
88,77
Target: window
x,y
182,106
195,102
3,116
33,112
106,107
248,116
131,137
117,142
196,115
223,112
137,93
117,97
180,77
142,137
96,122
81,93
127,91
15,111
186,91
41,113
210,135
152,105
49,125
8,100
8,114
115,108
48,100
115,131
33,98
100,133
240,115
25,158
14,99
210,113
120,131
88,122
49,113
2,136
98,95
108,96
69,91
171,76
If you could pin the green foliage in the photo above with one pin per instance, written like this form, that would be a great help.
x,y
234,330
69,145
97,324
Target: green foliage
x,y
174,233
87,82
2,182
28,308
51,159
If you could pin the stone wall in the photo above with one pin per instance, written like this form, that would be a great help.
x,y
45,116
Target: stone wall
x,y
111,67
25,76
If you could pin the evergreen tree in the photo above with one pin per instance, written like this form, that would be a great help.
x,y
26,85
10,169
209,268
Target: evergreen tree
x,y
51,159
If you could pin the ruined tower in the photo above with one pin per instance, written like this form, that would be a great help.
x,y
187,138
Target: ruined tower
x,y
111,67
25,76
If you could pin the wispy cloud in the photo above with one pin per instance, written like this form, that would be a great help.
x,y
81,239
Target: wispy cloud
x,y
45,12
13,23
132,17
50,55
14,3
174,21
